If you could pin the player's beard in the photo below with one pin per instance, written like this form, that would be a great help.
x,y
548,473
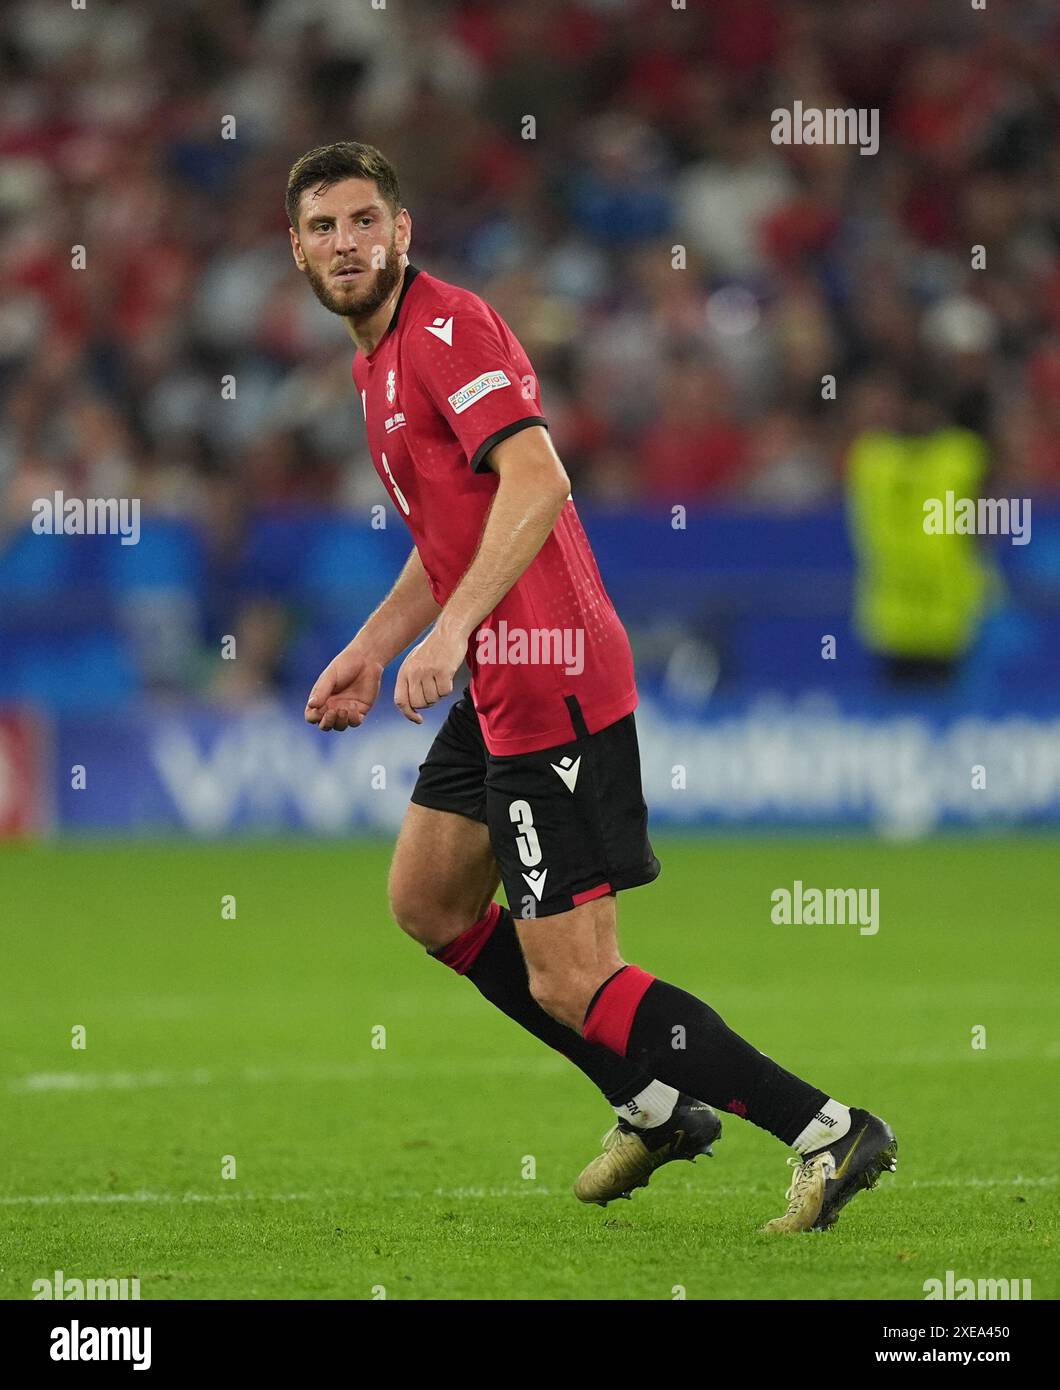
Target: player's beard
x,y
351,302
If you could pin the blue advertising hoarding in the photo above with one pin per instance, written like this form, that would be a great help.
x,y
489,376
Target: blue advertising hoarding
x,y
767,762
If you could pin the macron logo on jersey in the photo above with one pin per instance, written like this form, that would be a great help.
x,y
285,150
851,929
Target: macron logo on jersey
x,y
475,390
442,328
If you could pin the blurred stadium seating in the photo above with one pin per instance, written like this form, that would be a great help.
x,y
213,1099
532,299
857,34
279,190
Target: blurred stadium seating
x,y
696,387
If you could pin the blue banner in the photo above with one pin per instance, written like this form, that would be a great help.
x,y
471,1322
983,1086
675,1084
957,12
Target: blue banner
x,y
768,762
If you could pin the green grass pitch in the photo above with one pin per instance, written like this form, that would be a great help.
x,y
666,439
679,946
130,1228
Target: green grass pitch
x,y
403,1169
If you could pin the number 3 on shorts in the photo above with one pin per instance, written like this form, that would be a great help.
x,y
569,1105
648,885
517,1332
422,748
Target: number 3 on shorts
x,y
522,818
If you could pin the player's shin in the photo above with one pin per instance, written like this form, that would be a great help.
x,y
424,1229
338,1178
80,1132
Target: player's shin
x,y
680,1039
488,954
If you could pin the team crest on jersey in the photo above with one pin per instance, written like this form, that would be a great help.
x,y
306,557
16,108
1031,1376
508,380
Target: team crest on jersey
x,y
391,387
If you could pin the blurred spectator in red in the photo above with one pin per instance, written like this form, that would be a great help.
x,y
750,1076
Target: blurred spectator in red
x,y
695,448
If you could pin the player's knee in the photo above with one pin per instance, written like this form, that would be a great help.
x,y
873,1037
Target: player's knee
x,y
417,919
430,922
563,997
543,990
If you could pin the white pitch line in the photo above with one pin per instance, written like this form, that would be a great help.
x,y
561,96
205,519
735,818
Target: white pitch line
x,y
383,1069
456,1194
149,1198
722,1190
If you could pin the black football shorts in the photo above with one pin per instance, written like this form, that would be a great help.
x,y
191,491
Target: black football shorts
x,y
566,824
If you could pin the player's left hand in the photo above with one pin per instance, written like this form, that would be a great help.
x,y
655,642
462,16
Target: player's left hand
x,y
426,674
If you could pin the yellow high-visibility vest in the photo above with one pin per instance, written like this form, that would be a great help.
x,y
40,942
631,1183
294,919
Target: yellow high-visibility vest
x,y
917,594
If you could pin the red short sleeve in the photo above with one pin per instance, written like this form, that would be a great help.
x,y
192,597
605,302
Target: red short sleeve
x,y
477,375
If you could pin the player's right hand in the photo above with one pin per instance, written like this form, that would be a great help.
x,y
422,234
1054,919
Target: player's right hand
x,y
345,691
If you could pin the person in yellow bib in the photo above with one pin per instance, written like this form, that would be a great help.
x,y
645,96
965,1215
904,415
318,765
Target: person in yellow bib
x,y
921,590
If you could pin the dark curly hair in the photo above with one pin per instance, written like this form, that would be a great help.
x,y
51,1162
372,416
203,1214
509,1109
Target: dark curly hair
x,y
347,159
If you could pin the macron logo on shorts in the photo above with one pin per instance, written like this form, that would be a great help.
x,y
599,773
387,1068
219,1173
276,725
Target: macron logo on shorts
x,y
536,881
568,771
475,390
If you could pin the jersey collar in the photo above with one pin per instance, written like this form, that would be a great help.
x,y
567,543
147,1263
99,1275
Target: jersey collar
x,y
411,272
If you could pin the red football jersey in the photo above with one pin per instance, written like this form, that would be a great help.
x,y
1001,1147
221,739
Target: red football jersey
x,y
446,382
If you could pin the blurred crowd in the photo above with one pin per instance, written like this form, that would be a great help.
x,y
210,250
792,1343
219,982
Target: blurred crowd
x,y
687,376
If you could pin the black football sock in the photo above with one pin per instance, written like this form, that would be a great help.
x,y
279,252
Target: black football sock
x,y
488,954
681,1040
